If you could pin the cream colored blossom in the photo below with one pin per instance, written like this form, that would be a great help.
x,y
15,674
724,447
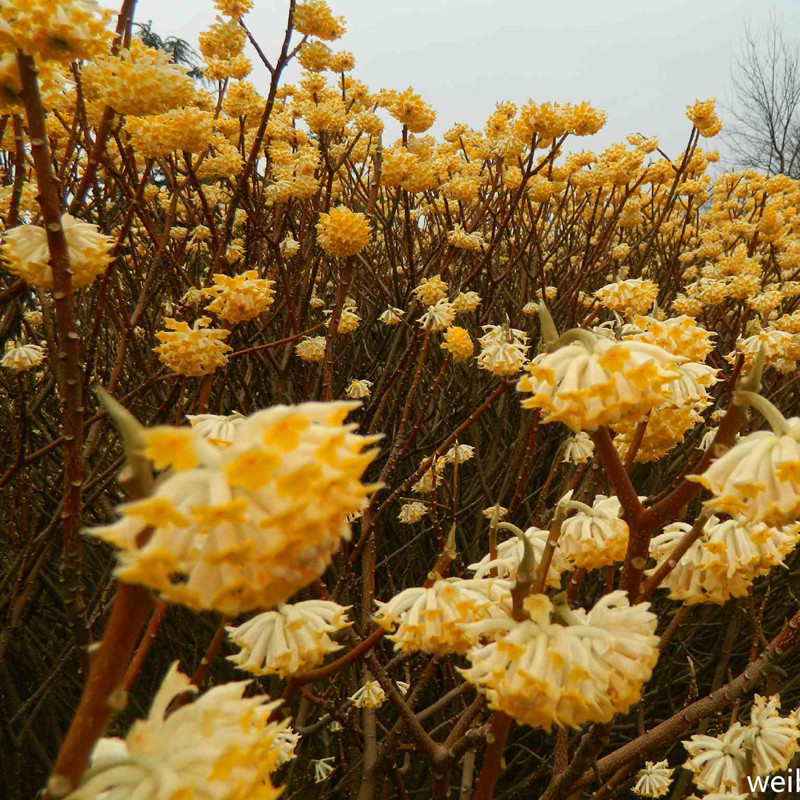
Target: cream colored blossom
x,y
22,357
594,382
291,639
26,254
654,780
222,745
196,350
370,695
358,389
244,526
432,619
218,429
542,673
595,536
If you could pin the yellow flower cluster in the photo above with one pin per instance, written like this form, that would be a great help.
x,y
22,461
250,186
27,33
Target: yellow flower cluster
x,y
139,81
458,343
192,350
292,638
436,619
594,382
703,117
55,30
595,536
22,357
239,298
187,128
633,296
542,672
26,254
246,526
725,559
221,745
343,232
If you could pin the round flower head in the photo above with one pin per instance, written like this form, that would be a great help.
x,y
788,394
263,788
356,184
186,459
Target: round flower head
x,y
462,240
291,639
438,316
593,382
195,350
634,296
412,512
430,290
503,350
654,780
542,673
315,18
221,745
579,448
370,695
21,357
458,343
459,453
718,762
596,536
140,80
724,560
25,253
245,526
759,477
216,428
358,389
465,302
681,336
348,321
432,619
510,553
240,298
771,737
343,232
64,32
311,348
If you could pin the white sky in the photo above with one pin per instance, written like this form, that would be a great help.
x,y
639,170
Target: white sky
x,y
642,61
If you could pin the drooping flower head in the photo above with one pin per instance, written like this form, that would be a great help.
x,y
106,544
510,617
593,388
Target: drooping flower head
x,y
196,350
244,526
291,639
25,253
593,382
222,745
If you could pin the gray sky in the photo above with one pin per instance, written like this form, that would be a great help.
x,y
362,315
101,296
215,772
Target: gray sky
x,y
642,61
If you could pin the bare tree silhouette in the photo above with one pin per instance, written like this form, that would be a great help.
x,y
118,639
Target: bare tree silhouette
x,y
764,132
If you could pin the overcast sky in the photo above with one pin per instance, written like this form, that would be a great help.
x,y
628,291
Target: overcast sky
x,y
641,61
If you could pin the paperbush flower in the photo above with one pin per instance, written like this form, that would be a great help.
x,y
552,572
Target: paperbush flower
x,y
595,382
654,780
595,536
433,619
239,298
458,343
358,389
25,253
430,290
311,348
370,695
216,428
195,350
291,639
222,745
634,296
343,232
509,556
543,673
21,357
245,526
759,477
